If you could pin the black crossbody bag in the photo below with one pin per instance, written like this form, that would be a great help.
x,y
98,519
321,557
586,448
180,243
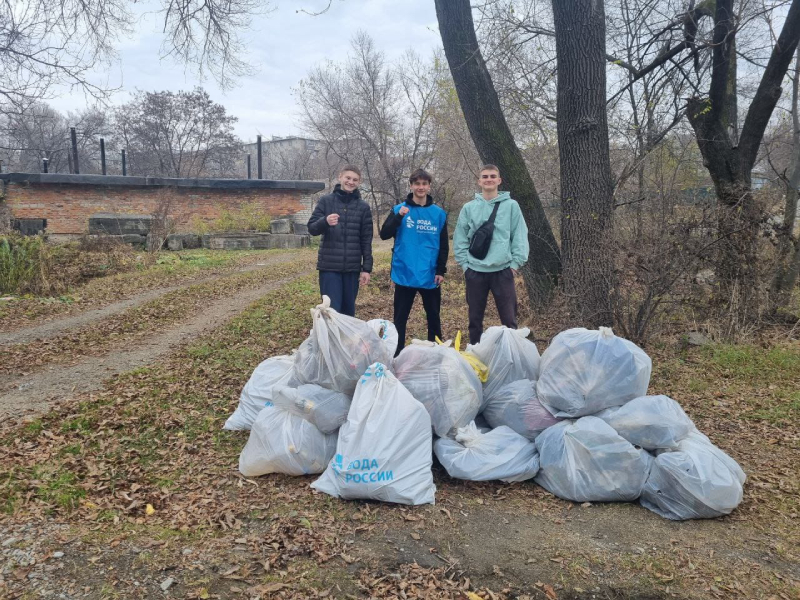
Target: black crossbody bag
x,y
482,238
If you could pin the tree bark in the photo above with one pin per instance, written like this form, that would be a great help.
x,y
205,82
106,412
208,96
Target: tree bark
x,y
495,143
587,204
788,263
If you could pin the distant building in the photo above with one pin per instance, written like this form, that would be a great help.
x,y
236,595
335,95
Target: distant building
x,y
293,157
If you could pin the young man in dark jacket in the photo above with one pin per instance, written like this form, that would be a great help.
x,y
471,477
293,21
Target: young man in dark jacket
x,y
345,255
419,257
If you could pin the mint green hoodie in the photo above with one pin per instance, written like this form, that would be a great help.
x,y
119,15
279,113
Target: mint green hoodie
x,y
510,240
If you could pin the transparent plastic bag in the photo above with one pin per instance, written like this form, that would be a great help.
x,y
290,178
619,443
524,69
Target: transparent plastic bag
x,y
587,461
697,481
282,442
384,447
497,454
517,406
325,409
509,355
338,351
584,371
445,383
257,392
652,422
387,332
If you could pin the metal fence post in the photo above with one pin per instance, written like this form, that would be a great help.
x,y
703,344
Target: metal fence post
x,y
124,167
260,171
74,138
103,155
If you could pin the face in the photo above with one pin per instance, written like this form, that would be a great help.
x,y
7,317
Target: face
x,y
420,188
489,180
349,180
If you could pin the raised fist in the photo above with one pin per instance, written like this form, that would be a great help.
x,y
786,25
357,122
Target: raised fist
x,y
403,211
332,219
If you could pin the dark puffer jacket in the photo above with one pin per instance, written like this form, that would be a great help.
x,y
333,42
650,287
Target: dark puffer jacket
x,y
347,246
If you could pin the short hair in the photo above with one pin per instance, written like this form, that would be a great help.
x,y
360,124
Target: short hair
x,y
352,168
490,167
420,174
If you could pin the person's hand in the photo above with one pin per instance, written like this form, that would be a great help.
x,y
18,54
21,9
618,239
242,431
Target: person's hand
x,y
514,272
364,279
438,279
332,219
403,211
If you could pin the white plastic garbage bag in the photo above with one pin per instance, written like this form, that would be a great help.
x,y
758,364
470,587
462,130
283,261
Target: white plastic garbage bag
x,y
326,409
652,422
584,371
443,381
282,442
387,332
338,351
697,481
257,392
509,355
517,406
587,461
498,454
384,447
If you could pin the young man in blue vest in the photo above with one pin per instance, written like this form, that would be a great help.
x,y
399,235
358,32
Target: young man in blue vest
x,y
419,257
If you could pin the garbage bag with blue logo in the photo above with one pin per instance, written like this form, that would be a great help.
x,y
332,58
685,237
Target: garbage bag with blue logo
x,y
384,451
283,442
257,392
387,332
500,454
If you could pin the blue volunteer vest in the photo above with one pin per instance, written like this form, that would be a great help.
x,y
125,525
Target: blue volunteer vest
x,y
416,245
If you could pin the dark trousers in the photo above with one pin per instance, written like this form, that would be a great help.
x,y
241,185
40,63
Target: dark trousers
x,y
501,284
404,300
341,288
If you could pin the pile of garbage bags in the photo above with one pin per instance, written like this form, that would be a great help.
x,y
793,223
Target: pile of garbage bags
x,y
576,420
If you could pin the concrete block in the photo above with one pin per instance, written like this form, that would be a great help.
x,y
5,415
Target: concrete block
x,y
300,228
183,241
280,226
120,224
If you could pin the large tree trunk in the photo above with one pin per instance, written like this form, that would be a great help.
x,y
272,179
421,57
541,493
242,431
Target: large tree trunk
x,y
788,263
495,144
730,164
587,204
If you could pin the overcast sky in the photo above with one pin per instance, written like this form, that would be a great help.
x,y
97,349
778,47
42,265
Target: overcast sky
x,y
282,46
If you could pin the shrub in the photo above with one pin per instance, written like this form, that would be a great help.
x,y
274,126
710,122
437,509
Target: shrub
x,y
23,264
248,217
31,265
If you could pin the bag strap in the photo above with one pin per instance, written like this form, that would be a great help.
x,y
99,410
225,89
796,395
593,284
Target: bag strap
x,y
494,212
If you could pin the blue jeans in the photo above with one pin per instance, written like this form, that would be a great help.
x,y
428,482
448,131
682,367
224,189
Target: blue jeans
x,y
342,288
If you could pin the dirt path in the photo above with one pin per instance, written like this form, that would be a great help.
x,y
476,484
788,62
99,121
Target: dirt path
x,y
35,393
52,328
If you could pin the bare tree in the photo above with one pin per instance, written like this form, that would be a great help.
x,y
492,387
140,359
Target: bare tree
x,y
45,43
368,114
495,143
177,134
788,260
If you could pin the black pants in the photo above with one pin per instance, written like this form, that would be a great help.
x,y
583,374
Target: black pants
x,y
501,284
404,300
341,288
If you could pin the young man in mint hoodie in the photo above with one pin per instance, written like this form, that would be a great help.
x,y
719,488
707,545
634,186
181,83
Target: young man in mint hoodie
x,y
507,252
419,256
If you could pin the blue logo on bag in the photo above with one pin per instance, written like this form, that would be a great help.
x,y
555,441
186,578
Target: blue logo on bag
x,y
370,471
268,404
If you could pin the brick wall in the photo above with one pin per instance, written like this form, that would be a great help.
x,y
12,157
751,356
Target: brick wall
x,y
67,207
